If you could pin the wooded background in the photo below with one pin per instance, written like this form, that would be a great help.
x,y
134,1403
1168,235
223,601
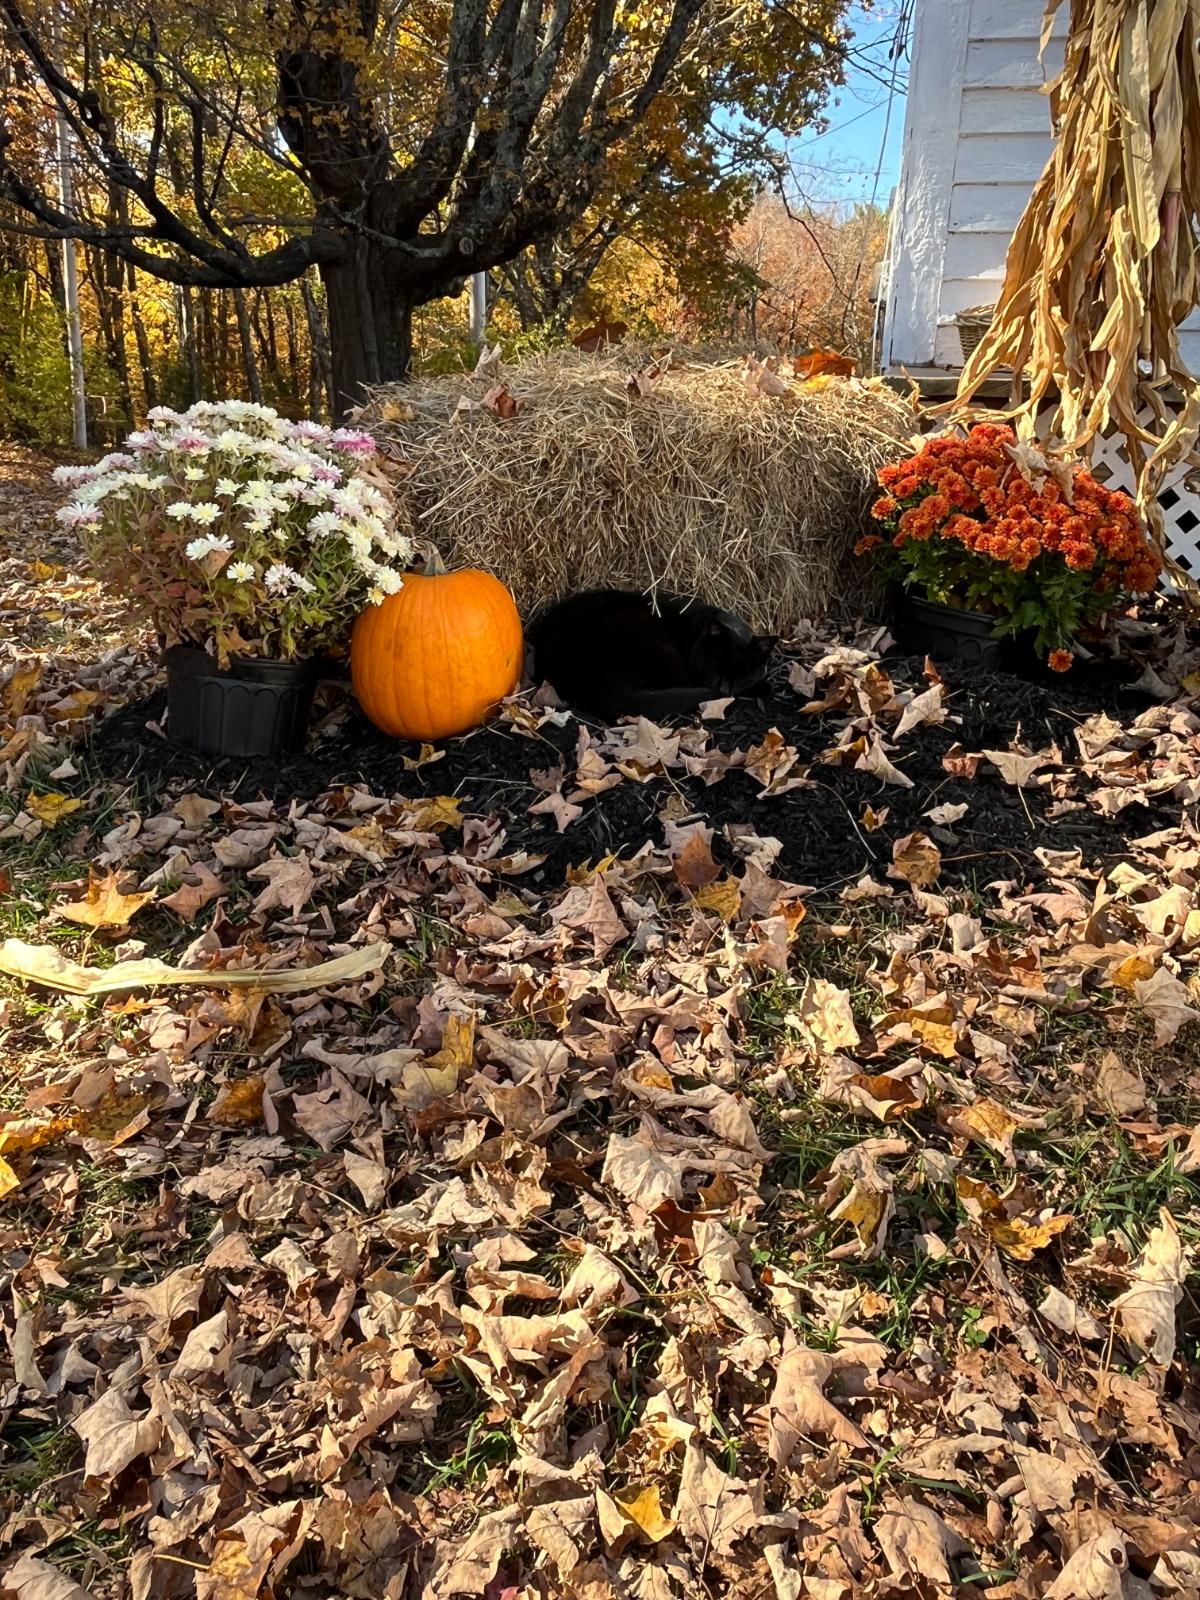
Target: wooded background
x,y
198,210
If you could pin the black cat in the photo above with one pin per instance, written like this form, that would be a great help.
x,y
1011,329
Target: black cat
x,y
614,653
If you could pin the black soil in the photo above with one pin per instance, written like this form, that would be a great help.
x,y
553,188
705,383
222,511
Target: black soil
x,y
825,844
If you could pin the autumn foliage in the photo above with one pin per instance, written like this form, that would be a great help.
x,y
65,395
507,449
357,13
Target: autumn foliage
x,y
987,523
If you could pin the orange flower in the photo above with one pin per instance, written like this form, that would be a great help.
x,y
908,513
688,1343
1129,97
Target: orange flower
x,y
1060,660
867,542
884,507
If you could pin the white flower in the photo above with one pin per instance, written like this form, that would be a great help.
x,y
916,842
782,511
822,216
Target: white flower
x,y
240,571
78,515
193,474
325,522
205,512
233,443
306,429
208,545
387,580
181,508
70,476
227,486
280,577
161,414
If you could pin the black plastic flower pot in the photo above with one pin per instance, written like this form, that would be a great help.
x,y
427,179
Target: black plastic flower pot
x,y
255,708
947,635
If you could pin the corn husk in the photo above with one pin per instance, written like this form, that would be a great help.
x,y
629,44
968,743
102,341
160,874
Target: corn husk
x,y
1101,270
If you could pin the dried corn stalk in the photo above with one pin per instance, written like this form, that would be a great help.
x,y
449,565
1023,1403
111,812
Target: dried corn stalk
x,y
1102,267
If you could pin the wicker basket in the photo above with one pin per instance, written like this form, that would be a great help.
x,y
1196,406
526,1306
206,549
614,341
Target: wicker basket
x,y
972,324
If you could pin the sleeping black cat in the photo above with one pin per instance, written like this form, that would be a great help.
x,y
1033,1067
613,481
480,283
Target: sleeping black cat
x,y
613,653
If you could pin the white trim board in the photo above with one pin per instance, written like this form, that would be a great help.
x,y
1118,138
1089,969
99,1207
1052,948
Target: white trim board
x,y
931,121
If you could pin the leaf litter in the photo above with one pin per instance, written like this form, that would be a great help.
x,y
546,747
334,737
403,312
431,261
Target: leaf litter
x,y
687,1188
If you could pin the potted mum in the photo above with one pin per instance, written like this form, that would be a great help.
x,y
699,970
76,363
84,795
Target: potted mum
x,y
251,542
991,539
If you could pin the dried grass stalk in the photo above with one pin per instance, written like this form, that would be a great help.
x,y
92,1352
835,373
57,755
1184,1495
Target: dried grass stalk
x,y
696,481
1102,267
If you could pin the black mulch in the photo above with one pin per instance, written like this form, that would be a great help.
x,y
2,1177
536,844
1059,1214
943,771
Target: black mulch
x,y
824,843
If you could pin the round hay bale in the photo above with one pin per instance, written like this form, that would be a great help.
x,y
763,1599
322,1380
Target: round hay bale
x,y
716,478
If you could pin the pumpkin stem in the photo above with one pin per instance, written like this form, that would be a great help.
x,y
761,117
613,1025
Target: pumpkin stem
x,y
432,557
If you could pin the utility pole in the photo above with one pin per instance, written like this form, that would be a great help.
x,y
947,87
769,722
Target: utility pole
x,y
70,269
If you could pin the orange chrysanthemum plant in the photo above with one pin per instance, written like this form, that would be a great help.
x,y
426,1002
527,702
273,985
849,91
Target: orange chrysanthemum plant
x,y
987,524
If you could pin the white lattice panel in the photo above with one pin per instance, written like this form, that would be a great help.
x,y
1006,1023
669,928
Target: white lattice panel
x,y
1180,505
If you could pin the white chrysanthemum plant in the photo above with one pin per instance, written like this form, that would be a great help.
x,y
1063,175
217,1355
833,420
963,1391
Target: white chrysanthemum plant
x,y
239,531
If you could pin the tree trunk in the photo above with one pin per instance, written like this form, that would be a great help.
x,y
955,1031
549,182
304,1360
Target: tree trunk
x,y
370,323
318,350
186,307
249,363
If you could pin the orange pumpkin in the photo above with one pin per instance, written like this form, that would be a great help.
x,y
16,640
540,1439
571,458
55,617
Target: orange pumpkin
x,y
434,658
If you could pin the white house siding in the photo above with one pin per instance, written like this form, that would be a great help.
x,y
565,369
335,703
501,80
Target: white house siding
x,y
976,138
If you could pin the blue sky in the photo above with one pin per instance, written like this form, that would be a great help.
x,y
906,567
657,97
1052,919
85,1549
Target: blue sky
x,y
841,163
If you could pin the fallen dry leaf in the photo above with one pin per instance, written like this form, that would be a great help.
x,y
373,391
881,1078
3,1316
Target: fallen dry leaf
x,y
915,859
105,905
1145,1313
51,808
825,1012
1166,1001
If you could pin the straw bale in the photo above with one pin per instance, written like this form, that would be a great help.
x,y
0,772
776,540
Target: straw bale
x,y
698,481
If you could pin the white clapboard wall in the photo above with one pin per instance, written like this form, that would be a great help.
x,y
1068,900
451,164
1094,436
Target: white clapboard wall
x,y
976,138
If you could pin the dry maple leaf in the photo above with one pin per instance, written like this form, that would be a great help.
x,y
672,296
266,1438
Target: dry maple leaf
x,y
590,910
199,887
51,808
114,1436
501,402
1096,1571
643,1174
917,1544
724,897
798,1408
712,1509
1015,767
1166,1001
1146,1311
945,816
1068,1316
1019,1234
641,1507
239,1103
441,811
30,1578
927,707
693,863
866,1202
290,883
987,1123
874,760
915,859
826,1014
105,905
1118,1089
17,688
